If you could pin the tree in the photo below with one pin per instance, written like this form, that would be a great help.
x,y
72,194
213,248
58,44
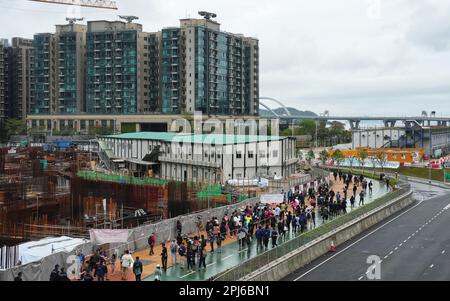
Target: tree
x,y
310,156
338,157
307,127
362,157
286,132
324,156
381,159
351,160
15,127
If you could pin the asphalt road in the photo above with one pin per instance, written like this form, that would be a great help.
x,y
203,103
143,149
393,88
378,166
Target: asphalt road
x,y
413,245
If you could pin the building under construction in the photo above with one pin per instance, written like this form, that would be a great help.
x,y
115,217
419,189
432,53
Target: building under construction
x,y
53,191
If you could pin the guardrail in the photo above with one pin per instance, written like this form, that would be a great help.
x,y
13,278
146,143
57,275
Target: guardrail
x,y
238,272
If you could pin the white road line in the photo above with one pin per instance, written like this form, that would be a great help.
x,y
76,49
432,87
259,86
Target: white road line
x,y
227,257
386,257
446,207
187,274
431,266
443,252
348,247
396,248
400,245
360,278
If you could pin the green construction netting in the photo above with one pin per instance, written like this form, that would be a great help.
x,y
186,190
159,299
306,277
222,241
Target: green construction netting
x,y
120,179
210,192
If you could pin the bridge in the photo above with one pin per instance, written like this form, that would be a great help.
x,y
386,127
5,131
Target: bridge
x,y
354,121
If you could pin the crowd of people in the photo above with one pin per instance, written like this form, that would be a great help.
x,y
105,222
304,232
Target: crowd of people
x,y
267,224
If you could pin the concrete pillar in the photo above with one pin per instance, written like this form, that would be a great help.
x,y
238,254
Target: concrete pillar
x,y
354,124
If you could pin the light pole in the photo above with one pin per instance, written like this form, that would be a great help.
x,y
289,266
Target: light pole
x,y
429,167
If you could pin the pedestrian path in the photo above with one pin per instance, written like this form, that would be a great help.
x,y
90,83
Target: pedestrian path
x,y
232,255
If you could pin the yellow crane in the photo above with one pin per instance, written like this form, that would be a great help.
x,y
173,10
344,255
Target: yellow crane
x,y
106,4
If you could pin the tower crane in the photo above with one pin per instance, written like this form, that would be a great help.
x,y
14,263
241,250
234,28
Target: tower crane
x,y
106,4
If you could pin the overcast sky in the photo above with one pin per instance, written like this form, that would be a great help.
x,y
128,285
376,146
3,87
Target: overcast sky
x,y
366,57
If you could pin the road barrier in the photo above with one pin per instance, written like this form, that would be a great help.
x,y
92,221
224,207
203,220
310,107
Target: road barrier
x,y
288,257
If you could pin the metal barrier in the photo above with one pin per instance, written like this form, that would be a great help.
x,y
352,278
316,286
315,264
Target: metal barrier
x,y
251,265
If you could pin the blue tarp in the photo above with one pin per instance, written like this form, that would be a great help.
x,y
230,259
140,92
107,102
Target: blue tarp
x,y
63,144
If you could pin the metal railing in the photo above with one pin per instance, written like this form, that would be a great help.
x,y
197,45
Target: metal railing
x,y
251,265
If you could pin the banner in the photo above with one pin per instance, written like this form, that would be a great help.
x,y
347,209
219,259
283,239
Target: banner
x,y
101,237
272,198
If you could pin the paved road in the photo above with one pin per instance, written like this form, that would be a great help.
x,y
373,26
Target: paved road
x,y
412,245
233,256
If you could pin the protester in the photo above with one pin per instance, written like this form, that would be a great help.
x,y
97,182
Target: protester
x,y
151,243
138,269
55,273
164,257
127,263
174,252
158,273
18,277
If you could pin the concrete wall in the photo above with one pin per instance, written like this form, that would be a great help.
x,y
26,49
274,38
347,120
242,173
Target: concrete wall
x,y
313,250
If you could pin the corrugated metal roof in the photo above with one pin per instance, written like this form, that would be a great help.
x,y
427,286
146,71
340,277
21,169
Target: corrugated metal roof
x,y
192,138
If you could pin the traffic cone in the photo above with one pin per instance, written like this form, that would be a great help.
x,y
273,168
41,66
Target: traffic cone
x,y
332,247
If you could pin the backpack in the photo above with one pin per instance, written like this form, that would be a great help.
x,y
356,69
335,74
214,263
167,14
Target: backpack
x,y
173,248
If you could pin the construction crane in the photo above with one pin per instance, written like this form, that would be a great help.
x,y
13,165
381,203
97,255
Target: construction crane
x,y
106,4
73,20
129,19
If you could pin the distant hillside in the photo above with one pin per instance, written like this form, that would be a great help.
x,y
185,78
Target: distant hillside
x,y
282,112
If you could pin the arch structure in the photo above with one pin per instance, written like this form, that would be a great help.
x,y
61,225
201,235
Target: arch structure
x,y
276,101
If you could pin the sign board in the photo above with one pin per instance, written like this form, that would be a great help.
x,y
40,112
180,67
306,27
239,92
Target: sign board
x,y
101,237
272,198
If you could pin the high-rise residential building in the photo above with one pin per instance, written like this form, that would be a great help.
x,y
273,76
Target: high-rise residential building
x,y
71,67
208,70
117,68
154,91
19,78
45,74
59,70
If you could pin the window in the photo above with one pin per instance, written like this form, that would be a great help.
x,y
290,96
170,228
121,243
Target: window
x,y
250,154
238,155
275,153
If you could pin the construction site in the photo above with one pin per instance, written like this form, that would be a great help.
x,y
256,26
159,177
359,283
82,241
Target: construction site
x,y
59,190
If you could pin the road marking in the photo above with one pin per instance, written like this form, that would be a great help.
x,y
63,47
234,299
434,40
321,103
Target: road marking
x,y
187,274
446,207
227,257
360,278
396,248
431,266
348,247
386,257
443,252
400,245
